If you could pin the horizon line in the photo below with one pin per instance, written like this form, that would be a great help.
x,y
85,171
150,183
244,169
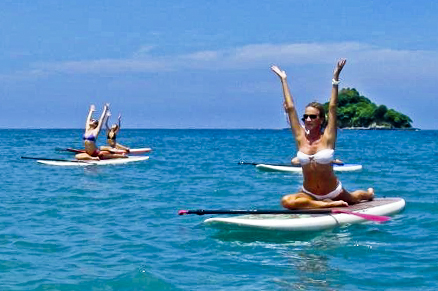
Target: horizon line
x,y
203,128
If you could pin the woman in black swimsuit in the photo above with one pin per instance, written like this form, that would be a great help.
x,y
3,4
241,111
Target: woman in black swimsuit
x,y
111,136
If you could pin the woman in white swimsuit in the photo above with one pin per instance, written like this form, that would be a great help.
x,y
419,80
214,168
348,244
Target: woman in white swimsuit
x,y
321,188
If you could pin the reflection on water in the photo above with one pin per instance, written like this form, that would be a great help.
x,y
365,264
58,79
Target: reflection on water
x,y
305,257
268,236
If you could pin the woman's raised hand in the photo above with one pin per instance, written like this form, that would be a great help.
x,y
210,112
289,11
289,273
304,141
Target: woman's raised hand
x,y
338,69
280,73
92,107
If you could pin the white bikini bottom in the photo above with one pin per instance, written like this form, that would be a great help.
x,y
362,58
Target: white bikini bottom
x,y
335,193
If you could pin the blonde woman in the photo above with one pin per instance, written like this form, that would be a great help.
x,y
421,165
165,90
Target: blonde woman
x,y
316,143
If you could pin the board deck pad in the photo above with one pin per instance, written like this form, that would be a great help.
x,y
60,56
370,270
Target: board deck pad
x,y
310,222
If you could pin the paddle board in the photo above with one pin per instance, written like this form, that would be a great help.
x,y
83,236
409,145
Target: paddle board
x,y
310,222
91,162
298,169
115,151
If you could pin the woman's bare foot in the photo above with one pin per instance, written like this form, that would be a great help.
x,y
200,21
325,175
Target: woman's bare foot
x,y
371,193
295,161
338,203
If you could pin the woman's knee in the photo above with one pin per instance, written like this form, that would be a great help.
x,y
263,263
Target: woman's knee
x,y
285,200
82,156
355,196
292,201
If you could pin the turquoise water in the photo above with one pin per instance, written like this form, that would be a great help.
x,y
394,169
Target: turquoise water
x,y
117,228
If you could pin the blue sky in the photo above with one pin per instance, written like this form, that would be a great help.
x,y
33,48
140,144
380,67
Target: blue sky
x,y
206,64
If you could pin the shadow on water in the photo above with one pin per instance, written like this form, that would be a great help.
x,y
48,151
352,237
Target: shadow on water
x,y
308,259
228,234
139,280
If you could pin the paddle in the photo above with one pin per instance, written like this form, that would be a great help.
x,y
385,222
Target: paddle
x,y
255,211
60,150
255,164
71,150
376,218
55,160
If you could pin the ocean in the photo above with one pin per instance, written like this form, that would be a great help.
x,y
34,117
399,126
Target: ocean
x,y
116,227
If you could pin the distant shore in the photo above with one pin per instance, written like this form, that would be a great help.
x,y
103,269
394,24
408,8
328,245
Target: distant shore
x,y
380,128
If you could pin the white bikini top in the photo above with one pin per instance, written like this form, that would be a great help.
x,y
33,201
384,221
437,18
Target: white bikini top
x,y
322,157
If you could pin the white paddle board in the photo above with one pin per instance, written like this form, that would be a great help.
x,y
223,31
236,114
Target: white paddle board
x,y
298,169
310,222
91,162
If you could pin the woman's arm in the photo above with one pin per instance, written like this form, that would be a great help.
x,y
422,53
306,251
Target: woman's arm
x,y
102,118
289,106
120,120
90,114
331,130
106,121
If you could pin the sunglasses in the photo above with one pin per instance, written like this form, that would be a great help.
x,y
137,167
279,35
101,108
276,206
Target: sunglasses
x,y
312,116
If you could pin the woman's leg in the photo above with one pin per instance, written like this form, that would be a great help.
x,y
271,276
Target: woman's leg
x,y
85,156
117,149
105,155
106,148
302,200
121,147
356,196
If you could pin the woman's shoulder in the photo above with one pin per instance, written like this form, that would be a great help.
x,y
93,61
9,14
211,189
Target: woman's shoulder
x,y
300,135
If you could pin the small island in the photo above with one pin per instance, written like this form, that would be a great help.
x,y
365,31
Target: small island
x,y
358,112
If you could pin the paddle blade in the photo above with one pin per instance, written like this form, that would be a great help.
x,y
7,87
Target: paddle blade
x,y
60,149
376,218
246,163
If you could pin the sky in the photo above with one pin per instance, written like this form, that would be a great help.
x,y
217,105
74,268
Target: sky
x,y
206,64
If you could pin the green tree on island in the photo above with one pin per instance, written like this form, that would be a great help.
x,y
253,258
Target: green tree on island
x,y
355,110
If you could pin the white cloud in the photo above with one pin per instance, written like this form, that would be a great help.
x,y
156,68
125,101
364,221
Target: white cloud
x,y
368,59
203,56
143,51
113,66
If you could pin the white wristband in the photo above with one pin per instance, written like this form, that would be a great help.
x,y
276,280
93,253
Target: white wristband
x,y
334,82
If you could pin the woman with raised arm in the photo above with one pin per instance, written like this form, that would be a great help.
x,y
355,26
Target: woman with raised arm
x,y
321,188
92,129
111,134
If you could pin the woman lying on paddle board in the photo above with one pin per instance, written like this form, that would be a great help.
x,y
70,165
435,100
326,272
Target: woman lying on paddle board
x,y
111,133
321,188
92,129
